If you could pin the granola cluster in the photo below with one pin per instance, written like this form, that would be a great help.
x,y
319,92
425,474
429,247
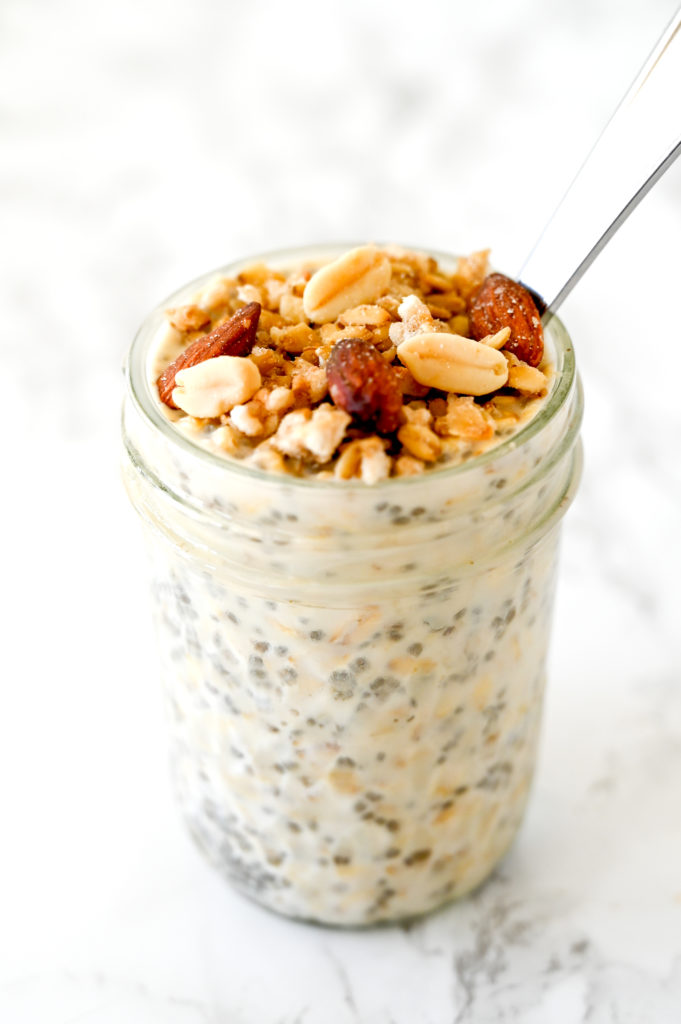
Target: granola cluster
x,y
371,366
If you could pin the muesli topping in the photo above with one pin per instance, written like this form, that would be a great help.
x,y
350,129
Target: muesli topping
x,y
378,363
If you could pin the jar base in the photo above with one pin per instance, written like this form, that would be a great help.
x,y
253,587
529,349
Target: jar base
x,y
378,920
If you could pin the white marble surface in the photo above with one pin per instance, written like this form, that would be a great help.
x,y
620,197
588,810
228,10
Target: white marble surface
x,y
144,143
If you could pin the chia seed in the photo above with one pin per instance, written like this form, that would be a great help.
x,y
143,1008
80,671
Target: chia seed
x,y
417,857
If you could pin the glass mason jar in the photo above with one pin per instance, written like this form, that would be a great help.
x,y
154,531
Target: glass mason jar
x,y
354,673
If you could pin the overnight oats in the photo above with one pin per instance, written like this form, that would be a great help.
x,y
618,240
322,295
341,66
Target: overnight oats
x,y
351,466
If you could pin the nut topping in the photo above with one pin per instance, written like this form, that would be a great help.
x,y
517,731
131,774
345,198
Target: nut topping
x,y
359,276
501,302
463,418
383,363
365,458
419,440
307,433
235,337
364,384
524,378
497,340
189,318
215,386
450,362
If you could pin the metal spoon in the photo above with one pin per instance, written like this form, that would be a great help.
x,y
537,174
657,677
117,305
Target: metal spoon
x,y
640,141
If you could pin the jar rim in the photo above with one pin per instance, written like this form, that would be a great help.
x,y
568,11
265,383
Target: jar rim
x,y
138,385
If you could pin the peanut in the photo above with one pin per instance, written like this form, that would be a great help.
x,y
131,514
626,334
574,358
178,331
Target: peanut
x,y
359,276
451,362
215,386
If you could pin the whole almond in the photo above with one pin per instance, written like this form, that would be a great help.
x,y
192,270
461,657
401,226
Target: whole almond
x,y
235,337
215,386
501,302
453,363
364,384
359,276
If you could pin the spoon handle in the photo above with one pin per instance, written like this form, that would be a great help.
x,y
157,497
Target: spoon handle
x,y
640,141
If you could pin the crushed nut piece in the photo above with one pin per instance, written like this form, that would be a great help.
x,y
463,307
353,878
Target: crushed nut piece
x,y
279,399
188,318
310,383
451,301
365,458
223,437
268,320
505,411
249,293
471,272
266,457
463,418
416,318
407,465
316,433
417,412
460,325
524,378
420,441
291,308
364,316
217,293
294,339
275,289
439,313
249,419
256,273
407,384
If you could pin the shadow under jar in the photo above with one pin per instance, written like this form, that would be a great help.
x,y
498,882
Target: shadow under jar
x,y
354,674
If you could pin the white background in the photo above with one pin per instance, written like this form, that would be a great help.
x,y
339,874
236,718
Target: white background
x,y
144,143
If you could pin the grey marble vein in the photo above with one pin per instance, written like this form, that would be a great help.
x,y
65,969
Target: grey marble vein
x,y
343,980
